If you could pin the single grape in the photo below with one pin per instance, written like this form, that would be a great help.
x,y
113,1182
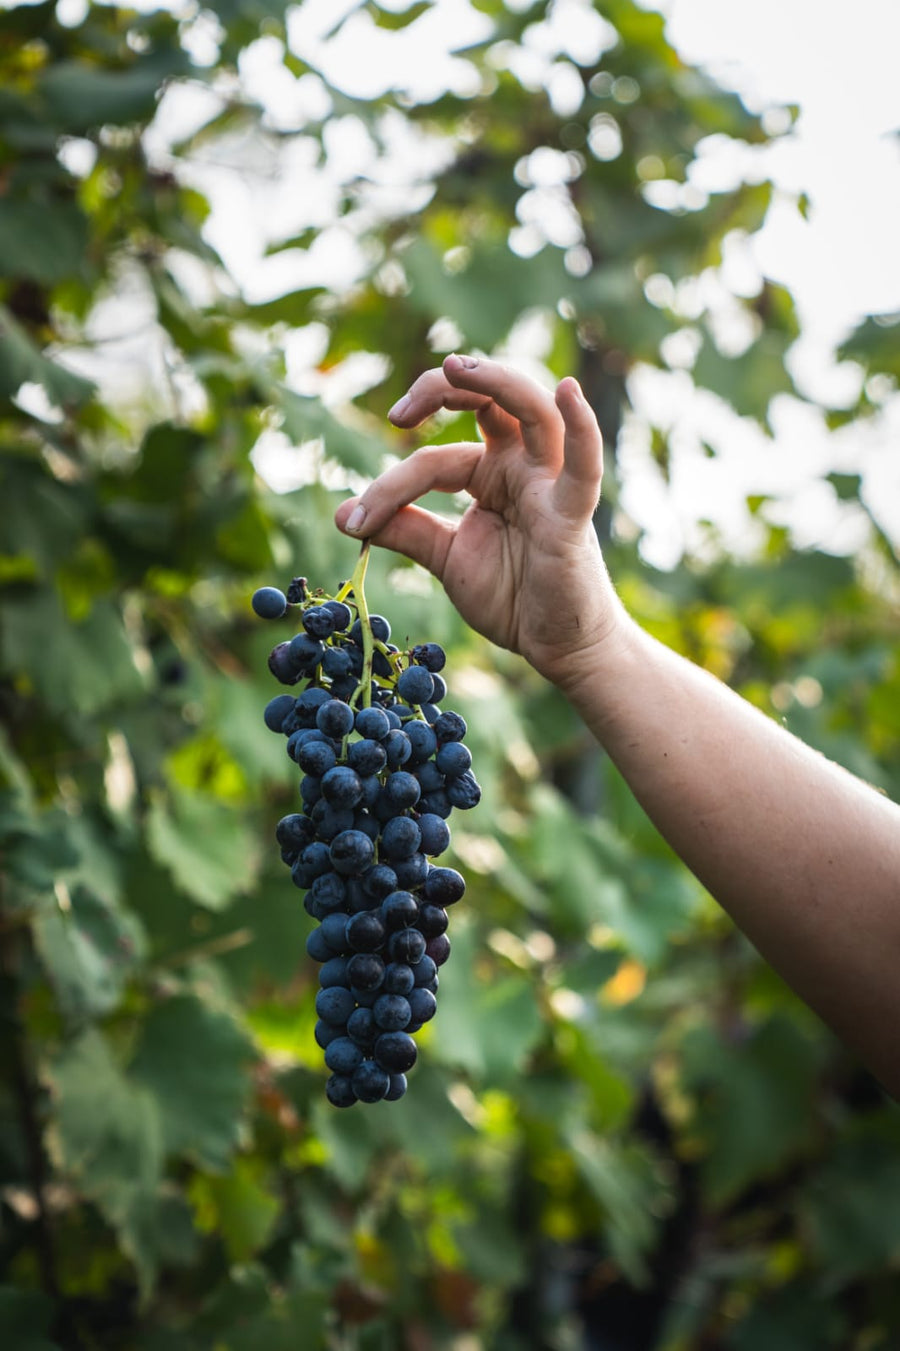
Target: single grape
x,y
422,1008
334,932
294,831
411,872
341,787
432,920
366,757
318,622
430,655
343,1055
343,615
366,971
334,972
401,790
352,852
453,758
408,945
415,685
373,724
334,1005
400,838
306,651
276,711
396,1051
340,1092
422,739
464,792
379,881
335,718
282,665
398,978
444,886
370,1082
435,834
397,1089
392,1012
399,910
450,727
268,602
316,757
438,949
361,1027
365,932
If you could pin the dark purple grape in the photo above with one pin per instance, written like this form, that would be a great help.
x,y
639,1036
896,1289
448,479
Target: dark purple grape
x,y
276,711
343,1055
373,724
268,602
339,1091
318,621
438,949
352,852
435,834
400,838
397,1089
407,945
444,886
334,1005
366,971
430,655
399,910
422,1006
396,1052
450,727
365,931
415,685
398,978
335,718
370,1082
453,758
392,1012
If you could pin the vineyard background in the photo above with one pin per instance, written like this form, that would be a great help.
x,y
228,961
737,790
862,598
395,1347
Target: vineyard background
x,y
624,1132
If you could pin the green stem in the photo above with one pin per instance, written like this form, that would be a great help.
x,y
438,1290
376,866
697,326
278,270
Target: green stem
x,y
357,588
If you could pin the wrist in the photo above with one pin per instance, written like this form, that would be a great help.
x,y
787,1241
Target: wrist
x,y
593,677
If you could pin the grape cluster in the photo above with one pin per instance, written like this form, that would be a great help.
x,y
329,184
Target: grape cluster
x,y
383,767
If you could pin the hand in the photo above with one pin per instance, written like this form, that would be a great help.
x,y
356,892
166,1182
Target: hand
x,y
523,564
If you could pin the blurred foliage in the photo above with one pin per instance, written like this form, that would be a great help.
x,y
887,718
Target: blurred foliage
x,y
624,1132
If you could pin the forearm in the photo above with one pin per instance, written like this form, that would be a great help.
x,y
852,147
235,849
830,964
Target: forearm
x,y
803,856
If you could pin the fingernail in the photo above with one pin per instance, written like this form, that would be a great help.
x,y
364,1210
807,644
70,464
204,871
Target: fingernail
x,y
356,518
465,363
400,408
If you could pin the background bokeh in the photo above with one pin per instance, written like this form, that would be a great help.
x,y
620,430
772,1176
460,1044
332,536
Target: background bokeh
x,y
624,1133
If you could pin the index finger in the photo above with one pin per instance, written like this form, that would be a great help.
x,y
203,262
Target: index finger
x,y
508,404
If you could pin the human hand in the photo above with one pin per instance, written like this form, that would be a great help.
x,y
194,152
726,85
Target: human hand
x,y
522,565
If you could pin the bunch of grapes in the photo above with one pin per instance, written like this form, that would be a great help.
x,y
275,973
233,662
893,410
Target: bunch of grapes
x,y
383,767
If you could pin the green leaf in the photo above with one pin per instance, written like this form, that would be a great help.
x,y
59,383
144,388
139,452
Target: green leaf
x,y
210,853
488,1027
88,953
26,1318
84,95
194,1059
85,666
21,362
42,241
755,1112
107,1131
396,18
237,1206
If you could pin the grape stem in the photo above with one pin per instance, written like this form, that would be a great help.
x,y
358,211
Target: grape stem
x,y
356,588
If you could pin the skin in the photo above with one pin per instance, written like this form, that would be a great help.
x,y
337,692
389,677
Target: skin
x,y
803,856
